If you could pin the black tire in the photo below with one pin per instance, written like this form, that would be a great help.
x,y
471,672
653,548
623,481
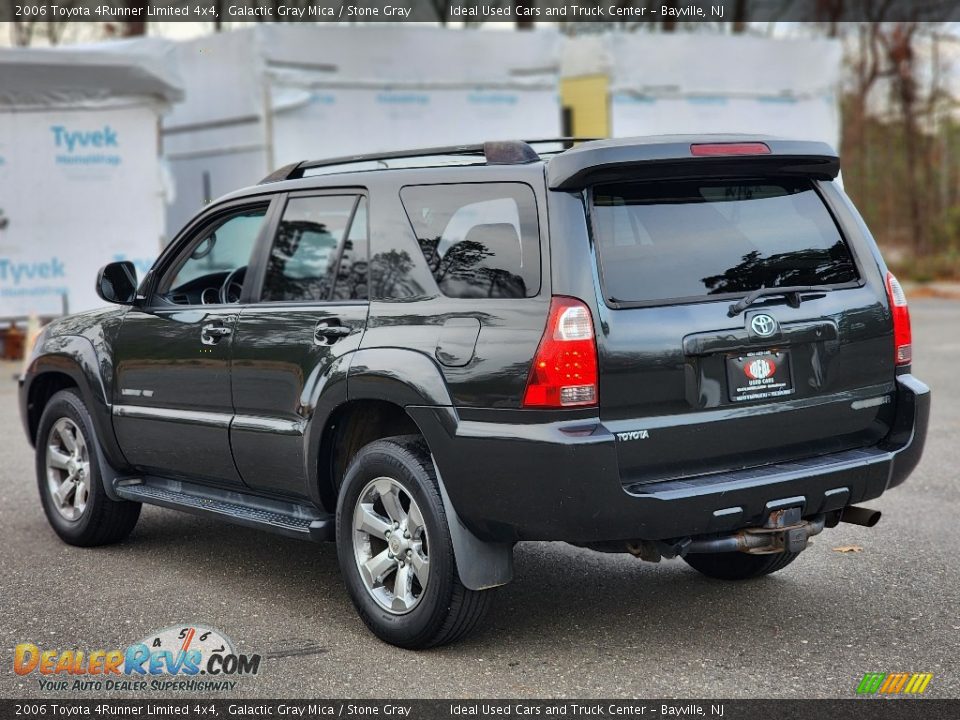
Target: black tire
x,y
102,521
445,610
737,565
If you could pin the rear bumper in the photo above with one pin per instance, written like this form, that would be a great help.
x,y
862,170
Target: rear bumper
x,y
560,481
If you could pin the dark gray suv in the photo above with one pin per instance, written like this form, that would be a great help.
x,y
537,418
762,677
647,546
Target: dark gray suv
x,y
670,346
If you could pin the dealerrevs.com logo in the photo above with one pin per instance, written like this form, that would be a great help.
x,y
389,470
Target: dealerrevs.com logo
x,y
187,658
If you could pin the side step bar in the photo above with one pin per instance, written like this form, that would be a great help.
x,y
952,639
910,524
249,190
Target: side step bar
x,y
284,518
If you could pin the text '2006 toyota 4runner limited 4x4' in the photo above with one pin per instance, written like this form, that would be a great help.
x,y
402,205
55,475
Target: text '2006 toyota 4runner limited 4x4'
x,y
671,346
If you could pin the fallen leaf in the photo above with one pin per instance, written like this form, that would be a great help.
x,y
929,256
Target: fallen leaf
x,y
848,548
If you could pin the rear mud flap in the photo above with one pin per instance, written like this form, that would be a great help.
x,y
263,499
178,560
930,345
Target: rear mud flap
x,y
480,564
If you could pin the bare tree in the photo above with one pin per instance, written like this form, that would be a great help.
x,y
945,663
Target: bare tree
x,y
890,141
866,70
25,32
524,16
138,27
901,57
22,32
442,9
740,16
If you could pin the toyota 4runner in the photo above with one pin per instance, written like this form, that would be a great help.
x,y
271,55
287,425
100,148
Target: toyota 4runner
x,y
669,346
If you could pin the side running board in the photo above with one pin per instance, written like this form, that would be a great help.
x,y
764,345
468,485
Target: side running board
x,y
285,518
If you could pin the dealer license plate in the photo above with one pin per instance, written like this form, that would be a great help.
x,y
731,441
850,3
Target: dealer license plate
x,y
759,375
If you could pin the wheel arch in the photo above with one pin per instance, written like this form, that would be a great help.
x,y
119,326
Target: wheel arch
x,y
352,425
64,361
383,387
41,390
367,387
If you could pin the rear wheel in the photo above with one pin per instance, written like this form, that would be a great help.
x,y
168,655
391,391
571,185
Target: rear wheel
x,y
738,566
395,552
70,481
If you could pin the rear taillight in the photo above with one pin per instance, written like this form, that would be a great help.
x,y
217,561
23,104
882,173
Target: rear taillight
x,y
713,149
564,371
902,336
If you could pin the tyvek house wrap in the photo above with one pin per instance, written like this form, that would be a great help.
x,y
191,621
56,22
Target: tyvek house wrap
x,y
670,83
81,182
338,90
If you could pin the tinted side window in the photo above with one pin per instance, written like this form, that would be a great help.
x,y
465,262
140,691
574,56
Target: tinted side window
x,y
304,260
221,249
479,240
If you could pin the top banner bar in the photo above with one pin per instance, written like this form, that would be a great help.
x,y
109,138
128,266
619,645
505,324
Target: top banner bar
x,y
481,11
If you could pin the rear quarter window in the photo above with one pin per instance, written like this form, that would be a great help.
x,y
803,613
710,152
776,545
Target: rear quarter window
x,y
667,240
480,240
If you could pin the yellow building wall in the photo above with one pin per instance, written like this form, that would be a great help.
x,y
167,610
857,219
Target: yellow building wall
x,y
588,100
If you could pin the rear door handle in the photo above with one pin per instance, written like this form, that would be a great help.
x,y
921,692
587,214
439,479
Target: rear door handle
x,y
211,334
327,333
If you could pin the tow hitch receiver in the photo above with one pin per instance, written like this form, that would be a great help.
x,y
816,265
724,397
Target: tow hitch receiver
x,y
784,531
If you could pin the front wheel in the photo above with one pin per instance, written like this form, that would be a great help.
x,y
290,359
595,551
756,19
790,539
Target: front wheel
x,y
738,566
69,477
395,552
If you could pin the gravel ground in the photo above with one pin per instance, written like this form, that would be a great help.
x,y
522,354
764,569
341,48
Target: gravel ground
x,y
572,624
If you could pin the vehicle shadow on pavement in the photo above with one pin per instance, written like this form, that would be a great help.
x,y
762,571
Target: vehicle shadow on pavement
x,y
559,594
571,621
564,591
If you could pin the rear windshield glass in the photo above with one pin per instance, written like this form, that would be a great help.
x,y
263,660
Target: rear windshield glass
x,y
687,238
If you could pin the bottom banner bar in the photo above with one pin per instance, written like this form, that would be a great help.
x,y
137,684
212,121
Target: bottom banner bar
x,y
874,709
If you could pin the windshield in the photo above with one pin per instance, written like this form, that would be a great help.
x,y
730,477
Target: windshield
x,y
676,239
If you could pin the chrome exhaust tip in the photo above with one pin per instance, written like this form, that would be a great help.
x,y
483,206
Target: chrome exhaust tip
x,y
860,516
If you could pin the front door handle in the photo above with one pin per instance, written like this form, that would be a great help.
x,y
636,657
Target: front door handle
x,y
327,333
211,334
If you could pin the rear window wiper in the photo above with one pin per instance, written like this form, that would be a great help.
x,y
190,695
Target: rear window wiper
x,y
793,295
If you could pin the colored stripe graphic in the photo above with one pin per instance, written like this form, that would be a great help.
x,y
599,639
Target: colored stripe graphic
x,y
894,683
871,683
918,683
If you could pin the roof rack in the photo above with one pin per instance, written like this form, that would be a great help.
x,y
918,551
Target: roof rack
x,y
500,152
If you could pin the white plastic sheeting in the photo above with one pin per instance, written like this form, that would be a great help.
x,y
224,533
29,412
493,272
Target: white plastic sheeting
x,y
80,179
88,75
344,90
698,83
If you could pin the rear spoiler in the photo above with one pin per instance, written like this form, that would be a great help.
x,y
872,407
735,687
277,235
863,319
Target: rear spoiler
x,y
669,157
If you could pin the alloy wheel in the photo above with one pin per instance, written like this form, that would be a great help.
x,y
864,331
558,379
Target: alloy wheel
x,y
390,545
68,469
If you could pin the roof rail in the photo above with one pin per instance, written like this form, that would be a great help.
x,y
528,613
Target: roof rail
x,y
500,152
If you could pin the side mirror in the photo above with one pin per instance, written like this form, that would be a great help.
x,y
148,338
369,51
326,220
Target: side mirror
x,y
117,283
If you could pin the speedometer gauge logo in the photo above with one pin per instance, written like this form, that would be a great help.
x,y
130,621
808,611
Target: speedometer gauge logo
x,y
180,638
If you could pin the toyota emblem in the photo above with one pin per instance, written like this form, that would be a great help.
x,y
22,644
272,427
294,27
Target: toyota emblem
x,y
763,325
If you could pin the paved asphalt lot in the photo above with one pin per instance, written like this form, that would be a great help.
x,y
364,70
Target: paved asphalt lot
x,y
573,623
